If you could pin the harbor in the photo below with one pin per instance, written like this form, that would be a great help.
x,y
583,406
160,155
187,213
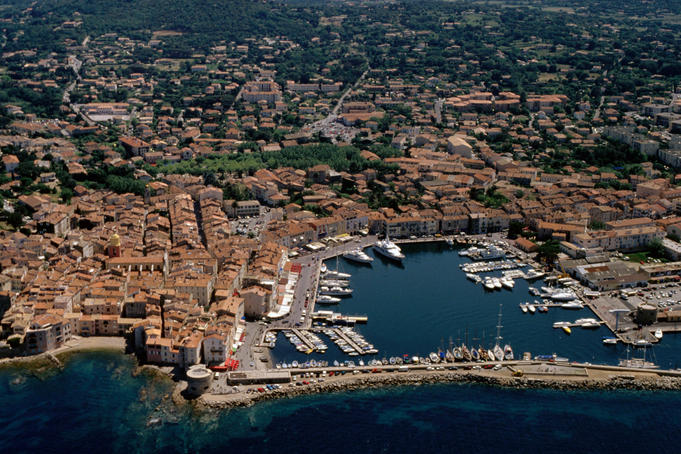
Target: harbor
x,y
387,294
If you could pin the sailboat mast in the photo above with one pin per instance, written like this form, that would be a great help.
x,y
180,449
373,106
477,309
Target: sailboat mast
x,y
498,338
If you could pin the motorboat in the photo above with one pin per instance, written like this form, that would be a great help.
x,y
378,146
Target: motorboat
x,y
497,283
610,340
466,353
389,249
449,241
567,329
335,291
490,355
563,296
458,354
572,305
531,308
358,255
658,334
508,353
507,282
434,358
328,299
561,324
523,307
471,276
488,283
533,274
475,354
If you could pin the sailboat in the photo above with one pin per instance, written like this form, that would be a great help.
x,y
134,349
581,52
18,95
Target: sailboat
x,y
498,351
335,274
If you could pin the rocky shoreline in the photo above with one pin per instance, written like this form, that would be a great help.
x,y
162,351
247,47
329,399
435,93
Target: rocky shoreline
x,y
363,382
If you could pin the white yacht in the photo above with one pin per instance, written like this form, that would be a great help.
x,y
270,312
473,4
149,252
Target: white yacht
x,y
334,274
471,276
327,299
531,308
389,249
488,283
497,283
572,305
534,274
334,283
335,291
358,255
563,296
658,334
523,307
507,282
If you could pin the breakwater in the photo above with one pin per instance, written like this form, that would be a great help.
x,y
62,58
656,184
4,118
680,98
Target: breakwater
x,y
599,378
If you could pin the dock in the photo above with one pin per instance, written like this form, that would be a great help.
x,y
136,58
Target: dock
x,y
577,325
303,339
350,342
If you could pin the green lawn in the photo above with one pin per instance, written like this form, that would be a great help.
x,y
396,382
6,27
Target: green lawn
x,y
638,257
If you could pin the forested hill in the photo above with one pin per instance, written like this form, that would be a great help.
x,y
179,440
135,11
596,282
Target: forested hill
x,y
209,19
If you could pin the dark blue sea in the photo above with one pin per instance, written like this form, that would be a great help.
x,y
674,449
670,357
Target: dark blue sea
x,y
95,404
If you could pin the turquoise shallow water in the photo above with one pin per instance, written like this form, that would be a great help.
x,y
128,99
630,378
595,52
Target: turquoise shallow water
x,y
418,306
95,404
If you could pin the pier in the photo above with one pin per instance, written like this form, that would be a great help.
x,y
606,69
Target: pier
x,y
350,342
303,339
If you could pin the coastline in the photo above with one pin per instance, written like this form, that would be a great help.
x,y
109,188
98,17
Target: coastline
x,y
75,345
597,379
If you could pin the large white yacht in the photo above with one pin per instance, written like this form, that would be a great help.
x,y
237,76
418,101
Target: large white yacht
x,y
358,255
389,249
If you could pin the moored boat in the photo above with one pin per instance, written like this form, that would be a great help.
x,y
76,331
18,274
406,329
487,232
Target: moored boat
x,y
389,249
508,353
658,334
358,255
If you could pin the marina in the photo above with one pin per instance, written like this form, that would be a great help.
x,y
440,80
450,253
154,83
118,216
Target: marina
x,y
390,304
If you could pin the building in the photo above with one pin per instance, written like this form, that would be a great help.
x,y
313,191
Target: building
x,y
457,145
46,332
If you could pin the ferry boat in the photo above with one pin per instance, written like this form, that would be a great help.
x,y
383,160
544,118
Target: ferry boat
x,y
327,299
358,255
389,249
508,353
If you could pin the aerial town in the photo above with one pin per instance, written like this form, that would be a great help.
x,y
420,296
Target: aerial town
x,y
180,198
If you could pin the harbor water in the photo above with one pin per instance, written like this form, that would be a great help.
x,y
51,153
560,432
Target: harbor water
x,y
95,403
416,307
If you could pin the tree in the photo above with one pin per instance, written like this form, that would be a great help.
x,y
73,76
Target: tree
x,y
548,251
515,228
656,248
